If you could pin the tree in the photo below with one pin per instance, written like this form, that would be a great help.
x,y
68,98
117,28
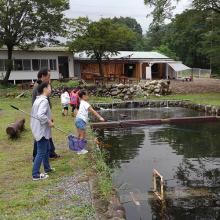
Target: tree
x,y
164,49
213,5
162,9
133,25
29,22
101,39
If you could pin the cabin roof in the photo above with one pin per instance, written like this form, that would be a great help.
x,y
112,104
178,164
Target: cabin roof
x,y
40,49
133,55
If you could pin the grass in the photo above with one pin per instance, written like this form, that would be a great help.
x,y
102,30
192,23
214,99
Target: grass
x,y
200,98
20,197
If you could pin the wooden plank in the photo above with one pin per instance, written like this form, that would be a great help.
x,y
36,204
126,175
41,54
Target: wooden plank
x,y
143,122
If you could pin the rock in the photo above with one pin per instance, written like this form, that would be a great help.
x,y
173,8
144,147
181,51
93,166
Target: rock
x,y
114,93
121,86
131,90
126,97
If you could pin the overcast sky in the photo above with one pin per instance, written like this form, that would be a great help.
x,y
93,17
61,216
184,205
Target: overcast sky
x,y
95,9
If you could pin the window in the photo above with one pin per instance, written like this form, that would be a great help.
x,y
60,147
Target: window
x,y
2,65
36,65
18,65
26,64
53,65
43,64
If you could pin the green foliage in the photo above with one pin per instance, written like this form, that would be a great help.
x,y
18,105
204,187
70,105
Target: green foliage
x,y
207,5
101,39
133,25
25,23
162,9
69,84
193,37
164,49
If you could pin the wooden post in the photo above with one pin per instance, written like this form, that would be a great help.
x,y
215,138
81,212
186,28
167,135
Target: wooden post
x,y
141,72
160,194
14,129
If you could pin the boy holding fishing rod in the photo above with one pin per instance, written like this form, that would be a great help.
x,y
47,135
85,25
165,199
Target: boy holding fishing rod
x,y
41,124
82,118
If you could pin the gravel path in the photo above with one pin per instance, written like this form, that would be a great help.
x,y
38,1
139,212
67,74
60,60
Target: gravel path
x,y
70,199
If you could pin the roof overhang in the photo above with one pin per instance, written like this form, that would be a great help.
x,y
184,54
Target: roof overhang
x,y
178,66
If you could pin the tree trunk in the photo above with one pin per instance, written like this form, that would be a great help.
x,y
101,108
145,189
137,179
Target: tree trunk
x,y
101,67
16,128
8,64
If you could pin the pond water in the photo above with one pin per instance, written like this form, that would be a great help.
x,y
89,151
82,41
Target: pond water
x,y
188,157
146,113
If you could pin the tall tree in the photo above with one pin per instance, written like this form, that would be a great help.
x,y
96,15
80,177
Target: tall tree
x,y
162,9
28,22
132,24
101,39
213,5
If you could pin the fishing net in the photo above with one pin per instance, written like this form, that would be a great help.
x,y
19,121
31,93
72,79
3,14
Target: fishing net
x,y
76,144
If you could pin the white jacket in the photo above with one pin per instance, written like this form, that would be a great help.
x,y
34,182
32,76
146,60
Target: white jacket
x,y
65,98
41,113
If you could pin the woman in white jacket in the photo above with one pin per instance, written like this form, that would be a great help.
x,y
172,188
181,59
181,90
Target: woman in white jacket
x,y
65,99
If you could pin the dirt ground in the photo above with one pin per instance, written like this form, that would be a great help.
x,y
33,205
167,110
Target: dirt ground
x,y
196,86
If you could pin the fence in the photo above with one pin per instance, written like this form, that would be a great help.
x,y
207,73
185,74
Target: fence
x,y
201,73
196,73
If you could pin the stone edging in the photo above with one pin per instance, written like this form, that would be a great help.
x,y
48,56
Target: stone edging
x,y
209,109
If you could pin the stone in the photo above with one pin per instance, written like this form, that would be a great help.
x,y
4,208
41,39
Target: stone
x,y
131,90
121,86
114,93
126,97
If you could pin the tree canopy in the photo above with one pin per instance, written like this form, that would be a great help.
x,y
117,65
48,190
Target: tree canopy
x,y
100,39
28,22
193,37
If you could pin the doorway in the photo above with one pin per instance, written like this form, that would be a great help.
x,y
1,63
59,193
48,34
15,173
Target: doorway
x,y
129,70
63,63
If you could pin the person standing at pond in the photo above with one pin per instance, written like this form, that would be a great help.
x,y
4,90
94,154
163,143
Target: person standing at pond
x,y
41,124
43,76
82,118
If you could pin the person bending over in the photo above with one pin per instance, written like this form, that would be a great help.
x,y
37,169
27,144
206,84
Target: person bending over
x,y
82,119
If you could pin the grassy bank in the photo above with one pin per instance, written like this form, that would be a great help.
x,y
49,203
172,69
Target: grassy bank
x,y
200,98
20,197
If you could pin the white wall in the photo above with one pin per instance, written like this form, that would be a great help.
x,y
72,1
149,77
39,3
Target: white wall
x,y
32,75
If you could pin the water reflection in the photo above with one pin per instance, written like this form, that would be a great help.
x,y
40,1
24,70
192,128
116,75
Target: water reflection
x,y
140,113
188,156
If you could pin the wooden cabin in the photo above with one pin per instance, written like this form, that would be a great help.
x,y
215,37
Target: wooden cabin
x,y
130,64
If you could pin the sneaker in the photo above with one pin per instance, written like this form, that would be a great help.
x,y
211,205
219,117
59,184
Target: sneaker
x,y
41,177
51,170
82,152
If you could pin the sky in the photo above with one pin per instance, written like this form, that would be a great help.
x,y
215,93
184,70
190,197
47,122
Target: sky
x,y
96,9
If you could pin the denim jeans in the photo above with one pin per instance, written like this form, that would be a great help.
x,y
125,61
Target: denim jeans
x,y
52,148
43,147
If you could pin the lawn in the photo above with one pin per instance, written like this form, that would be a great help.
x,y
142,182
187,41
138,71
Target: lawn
x,y
200,98
20,197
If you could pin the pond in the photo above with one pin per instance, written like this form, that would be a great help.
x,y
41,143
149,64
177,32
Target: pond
x,y
188,157
147,113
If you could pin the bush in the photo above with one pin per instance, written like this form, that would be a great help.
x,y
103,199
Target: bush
x,y
70,84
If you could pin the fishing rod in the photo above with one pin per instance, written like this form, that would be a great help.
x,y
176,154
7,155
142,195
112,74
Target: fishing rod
x,y
57,128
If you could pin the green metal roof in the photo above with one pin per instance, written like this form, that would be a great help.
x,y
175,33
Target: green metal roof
x,y
133,55
40,49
